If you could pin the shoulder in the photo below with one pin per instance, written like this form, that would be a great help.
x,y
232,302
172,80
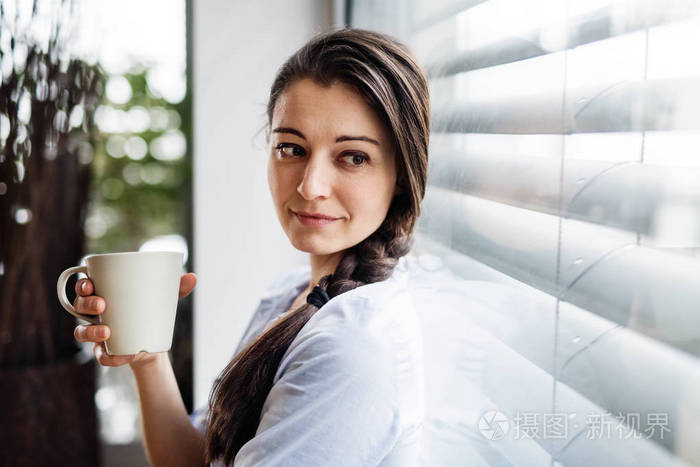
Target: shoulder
x,y
352,329
377,319
371,334
381,311
340,358
336,343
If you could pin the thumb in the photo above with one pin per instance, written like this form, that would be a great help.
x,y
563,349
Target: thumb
x,y
187,284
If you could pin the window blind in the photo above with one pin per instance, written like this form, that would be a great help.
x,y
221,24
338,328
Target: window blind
x,y
563,216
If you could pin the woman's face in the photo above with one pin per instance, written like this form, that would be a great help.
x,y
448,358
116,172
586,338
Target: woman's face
x,y
329,155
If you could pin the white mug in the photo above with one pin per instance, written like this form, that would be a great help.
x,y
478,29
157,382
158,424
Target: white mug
x,y
141,291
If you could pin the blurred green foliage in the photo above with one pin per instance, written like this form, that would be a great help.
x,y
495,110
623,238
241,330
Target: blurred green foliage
x,y
134,199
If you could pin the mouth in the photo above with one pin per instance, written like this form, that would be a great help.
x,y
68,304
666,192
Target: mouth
x,y
314,219
315,215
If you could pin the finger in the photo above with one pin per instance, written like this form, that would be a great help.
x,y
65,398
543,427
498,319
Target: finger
x,y
187,284
92,305
110,360
84,287
92,333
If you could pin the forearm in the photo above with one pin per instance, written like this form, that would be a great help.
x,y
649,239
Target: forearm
x,y
169,437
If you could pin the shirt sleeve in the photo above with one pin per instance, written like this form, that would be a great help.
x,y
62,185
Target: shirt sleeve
x,y
333,404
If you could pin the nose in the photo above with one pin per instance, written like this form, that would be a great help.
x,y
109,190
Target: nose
x,y
316,182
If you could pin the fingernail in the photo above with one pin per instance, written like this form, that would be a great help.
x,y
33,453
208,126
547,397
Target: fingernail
x,y
102,332
83,286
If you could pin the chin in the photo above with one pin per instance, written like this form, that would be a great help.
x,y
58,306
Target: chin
x,y
314,247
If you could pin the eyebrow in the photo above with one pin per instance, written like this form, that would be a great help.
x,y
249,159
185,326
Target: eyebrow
x,y
339,139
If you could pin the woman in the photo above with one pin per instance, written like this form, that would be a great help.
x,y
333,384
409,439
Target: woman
x,y
329,371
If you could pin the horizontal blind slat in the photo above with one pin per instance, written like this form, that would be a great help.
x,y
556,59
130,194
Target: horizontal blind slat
x,y
591,27
625,195
654,105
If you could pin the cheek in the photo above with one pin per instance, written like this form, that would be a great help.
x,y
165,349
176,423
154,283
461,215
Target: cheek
x,y
275,180
370,201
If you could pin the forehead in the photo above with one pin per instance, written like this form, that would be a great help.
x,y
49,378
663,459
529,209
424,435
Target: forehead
x,y
334,109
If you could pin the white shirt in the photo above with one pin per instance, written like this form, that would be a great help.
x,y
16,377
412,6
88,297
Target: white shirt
x,y
349,390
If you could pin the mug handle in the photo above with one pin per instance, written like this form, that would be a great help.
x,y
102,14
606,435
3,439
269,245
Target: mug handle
x,y
63,298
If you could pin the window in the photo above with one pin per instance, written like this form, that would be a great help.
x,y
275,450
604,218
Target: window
x,y
563,210
139,198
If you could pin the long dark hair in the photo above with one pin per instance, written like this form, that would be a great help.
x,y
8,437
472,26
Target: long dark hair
x,y
388,77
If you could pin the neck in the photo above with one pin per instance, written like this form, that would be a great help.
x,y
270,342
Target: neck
x,y
322,265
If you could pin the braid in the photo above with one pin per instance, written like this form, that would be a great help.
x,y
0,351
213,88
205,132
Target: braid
x,y
372,260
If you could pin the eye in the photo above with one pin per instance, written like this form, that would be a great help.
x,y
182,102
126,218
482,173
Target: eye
x,y
289,150
356,159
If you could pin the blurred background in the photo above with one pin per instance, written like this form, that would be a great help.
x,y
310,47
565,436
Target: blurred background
x,y
561,220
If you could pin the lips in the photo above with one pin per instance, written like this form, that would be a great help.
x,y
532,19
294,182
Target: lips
x,y
315,215
314,219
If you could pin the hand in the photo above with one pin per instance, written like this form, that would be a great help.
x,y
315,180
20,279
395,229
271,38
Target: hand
x,y
89,304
